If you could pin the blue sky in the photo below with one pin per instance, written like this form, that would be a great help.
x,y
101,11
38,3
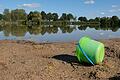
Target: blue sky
x,y
88,8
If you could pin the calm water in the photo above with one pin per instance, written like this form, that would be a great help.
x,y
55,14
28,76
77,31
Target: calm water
x,y
55,33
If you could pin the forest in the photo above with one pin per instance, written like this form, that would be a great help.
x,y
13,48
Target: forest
x,y
19,16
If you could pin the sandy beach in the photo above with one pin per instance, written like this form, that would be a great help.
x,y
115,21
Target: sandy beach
x,y
25,60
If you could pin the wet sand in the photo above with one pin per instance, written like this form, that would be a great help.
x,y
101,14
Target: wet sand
x,y
25,60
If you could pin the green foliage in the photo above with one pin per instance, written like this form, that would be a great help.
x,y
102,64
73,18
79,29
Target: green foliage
x,y
104,20
1,16
29,16
70,17
110,21
55,16
97,19
44,16
115,21
63,17
83,19
35,17
67,17
49,16
7,15
18,14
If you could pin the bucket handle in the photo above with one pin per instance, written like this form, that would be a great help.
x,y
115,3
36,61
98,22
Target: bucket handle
x,y
85,54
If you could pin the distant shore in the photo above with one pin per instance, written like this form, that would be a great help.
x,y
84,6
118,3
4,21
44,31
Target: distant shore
x,y
55,23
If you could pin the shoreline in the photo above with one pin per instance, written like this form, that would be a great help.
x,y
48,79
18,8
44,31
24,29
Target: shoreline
x,y
54,60
74,41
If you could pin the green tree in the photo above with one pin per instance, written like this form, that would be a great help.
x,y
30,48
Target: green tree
x,y
29,16
55,16
44,15
104,21
49,16
91,20
119,23
97,19
82,19
1,16
34,17
7,15
18,14
70,17
63,17
114,21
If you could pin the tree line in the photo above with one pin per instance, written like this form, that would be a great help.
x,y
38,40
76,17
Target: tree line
x,y
20,14
36,17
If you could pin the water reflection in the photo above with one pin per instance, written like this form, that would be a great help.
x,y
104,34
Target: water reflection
x,y
113,28
21,30
41,30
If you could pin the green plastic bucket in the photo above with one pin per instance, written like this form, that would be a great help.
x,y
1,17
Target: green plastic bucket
x,y
90,51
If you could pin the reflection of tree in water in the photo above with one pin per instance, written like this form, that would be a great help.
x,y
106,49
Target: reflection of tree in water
x,y
14,30
43,30
67,29
18,30
110,26
49,30
1,28
97,27
114,29
82,27
6,29
53,29
35,29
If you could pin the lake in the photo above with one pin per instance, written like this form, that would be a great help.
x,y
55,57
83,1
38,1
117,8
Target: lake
x,y
57,33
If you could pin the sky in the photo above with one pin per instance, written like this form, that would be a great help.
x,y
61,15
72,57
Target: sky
x,y
88,8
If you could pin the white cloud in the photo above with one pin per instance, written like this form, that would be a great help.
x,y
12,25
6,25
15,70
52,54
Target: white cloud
x,y
112,10
102,13
114,6
89,1
32,5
